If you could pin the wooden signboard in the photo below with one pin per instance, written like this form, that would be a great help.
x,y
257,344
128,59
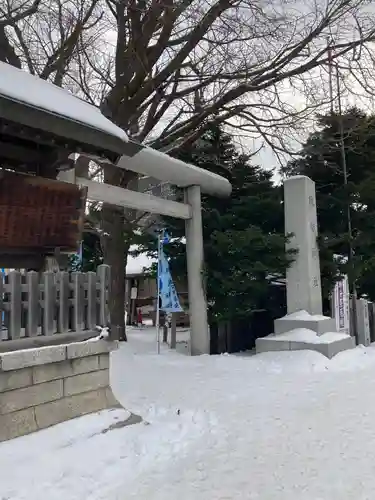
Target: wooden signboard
x,y
38,215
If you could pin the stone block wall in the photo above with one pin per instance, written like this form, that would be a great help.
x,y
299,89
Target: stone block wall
x,y
44,386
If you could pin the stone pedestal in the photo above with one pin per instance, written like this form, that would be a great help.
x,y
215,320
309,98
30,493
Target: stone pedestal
x,y
328,344
318,324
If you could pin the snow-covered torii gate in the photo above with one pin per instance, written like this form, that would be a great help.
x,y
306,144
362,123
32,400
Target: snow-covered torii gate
x,y
193,180
61,124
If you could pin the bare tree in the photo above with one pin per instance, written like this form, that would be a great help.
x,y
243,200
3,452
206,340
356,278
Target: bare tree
x,y
174,67
13,14
164,70
45,36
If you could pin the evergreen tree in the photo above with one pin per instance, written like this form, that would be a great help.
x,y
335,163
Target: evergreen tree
x,y
244,242
321,160
92,254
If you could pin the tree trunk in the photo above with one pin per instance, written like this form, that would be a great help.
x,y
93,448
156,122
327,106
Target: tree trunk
x,y
115,249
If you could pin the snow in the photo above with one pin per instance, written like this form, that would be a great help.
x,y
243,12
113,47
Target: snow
x,y
29,89
307,335
275,426
305,316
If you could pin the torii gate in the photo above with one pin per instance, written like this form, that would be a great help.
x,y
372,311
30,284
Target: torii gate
x,y
61,111
194,180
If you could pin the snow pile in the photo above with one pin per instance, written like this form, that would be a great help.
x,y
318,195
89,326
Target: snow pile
x,y
276,426
307,335
305,316
29,89
103,333
361,358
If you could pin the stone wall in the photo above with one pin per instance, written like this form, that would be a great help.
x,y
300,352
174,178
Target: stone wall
x,y
47,385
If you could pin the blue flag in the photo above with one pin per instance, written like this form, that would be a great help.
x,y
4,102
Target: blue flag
x,y
165,240
168,294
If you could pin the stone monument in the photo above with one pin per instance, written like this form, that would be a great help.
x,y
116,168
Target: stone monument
x,y
304,327
363,322
303,289
303,276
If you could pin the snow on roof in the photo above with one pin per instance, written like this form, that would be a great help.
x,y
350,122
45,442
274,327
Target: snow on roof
x,y
23,87
161,166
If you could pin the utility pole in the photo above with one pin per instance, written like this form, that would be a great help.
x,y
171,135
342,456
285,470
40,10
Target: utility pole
x,y
334,68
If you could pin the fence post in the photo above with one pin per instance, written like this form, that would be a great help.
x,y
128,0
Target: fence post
x,y
78,301
48,303
64,306
104,282
15,304
32,286
91,301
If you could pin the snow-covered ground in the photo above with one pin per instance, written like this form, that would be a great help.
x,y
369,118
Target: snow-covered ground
x,y
276,426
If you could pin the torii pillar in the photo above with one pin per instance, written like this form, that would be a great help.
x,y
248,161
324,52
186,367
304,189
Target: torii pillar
x,y
199,332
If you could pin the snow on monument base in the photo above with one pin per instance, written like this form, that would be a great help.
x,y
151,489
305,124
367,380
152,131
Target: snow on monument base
x,y
302,319
306,332
329,344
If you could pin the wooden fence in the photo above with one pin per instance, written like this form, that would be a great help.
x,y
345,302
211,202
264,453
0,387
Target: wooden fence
x,y
33,304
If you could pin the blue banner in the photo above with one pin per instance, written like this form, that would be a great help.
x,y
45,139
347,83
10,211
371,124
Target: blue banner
x,y
165,239
168,295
